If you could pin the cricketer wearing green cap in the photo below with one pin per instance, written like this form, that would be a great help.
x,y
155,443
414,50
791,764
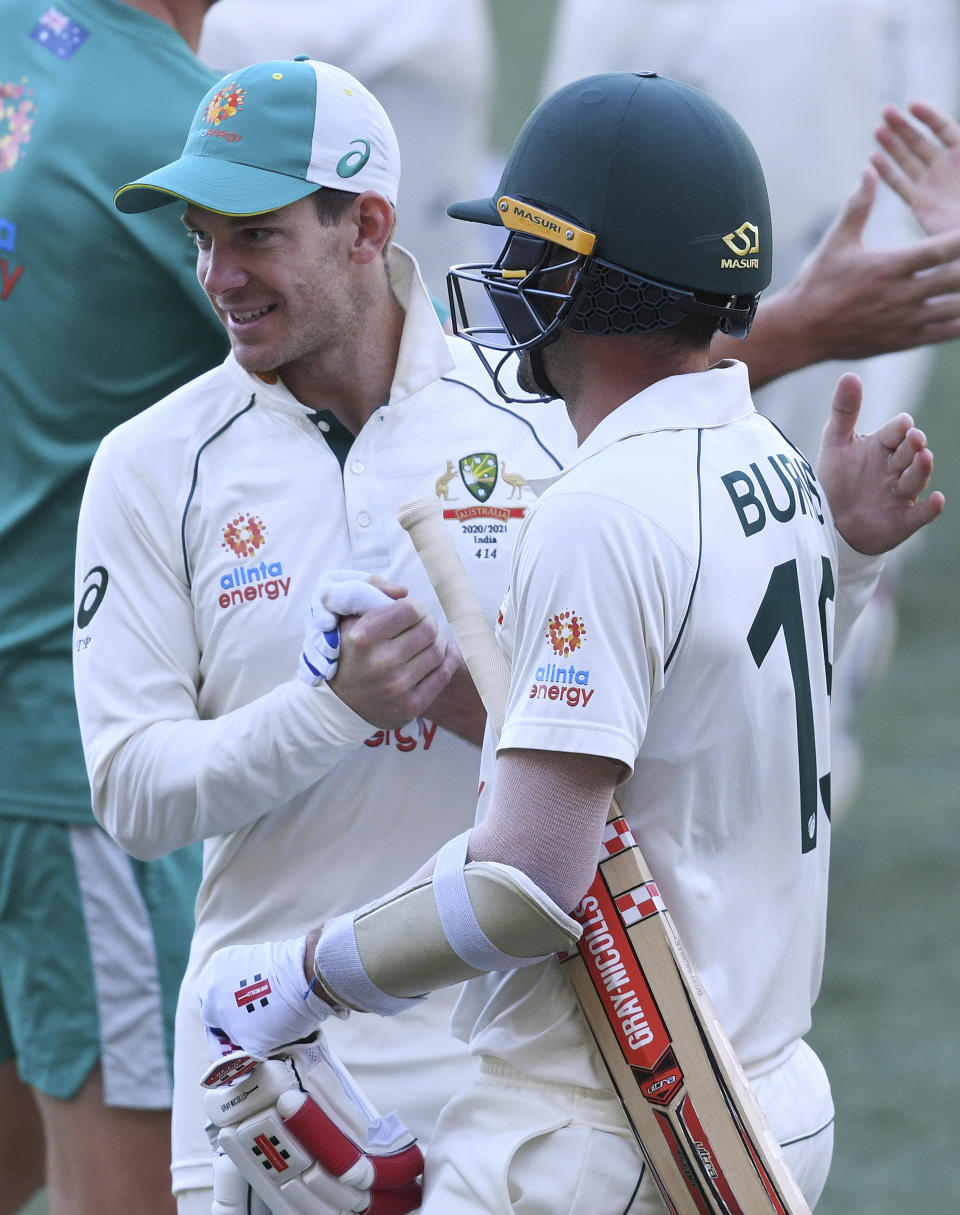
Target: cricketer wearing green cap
x,y
249,149
218,511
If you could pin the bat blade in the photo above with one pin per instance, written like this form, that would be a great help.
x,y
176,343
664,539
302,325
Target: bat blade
x,y
697,1122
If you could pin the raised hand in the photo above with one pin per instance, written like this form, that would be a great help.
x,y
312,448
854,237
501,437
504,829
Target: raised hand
x,y
873,482
381,652
849,301
922,164
393,663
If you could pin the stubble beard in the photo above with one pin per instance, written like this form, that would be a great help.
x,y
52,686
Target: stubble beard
x,y
525,376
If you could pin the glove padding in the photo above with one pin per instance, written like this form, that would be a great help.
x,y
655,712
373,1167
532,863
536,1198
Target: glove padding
x,y
337,593
299,1132
255,997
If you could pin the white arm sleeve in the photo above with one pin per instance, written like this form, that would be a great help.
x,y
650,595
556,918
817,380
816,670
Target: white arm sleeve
x,y
175,782
160,776
547,817
857,577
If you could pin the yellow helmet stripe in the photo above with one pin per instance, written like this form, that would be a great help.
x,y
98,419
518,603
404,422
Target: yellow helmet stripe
x,y
522,217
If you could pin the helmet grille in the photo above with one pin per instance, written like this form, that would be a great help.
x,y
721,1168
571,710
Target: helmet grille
x,y
613,301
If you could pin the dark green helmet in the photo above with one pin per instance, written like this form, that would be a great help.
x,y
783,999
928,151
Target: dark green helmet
x,y
642,196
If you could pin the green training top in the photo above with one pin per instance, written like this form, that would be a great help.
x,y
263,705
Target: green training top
x,y
100,316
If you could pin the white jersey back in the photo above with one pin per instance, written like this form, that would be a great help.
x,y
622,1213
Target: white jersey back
x,y
672,606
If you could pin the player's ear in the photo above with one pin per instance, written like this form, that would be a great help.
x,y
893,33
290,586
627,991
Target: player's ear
x,y
374,218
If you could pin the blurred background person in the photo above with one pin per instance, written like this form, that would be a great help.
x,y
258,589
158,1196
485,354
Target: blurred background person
x,y
99,316
430,63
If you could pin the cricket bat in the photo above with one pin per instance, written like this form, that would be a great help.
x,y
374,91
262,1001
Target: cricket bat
x,y
698,1123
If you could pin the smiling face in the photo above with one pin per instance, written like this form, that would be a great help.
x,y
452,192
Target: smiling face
x,y
281,283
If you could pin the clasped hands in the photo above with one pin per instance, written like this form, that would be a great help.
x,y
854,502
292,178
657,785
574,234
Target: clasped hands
x,y
381,652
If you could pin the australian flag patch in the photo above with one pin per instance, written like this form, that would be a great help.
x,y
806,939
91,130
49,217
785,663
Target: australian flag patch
x,y
59,34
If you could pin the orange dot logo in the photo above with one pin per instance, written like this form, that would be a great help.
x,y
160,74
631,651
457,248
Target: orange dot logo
x,y
566,632
225,104
244,534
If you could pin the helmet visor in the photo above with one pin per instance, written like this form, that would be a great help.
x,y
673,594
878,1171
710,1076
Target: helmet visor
x,y
520,300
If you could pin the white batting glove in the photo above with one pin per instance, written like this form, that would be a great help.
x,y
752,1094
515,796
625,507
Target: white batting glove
x,y
337,593
256,997
299,1133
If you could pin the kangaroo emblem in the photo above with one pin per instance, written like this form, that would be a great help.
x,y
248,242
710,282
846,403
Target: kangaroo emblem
x,y
442,485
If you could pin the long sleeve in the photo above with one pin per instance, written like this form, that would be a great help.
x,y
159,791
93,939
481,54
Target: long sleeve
x,y
167,762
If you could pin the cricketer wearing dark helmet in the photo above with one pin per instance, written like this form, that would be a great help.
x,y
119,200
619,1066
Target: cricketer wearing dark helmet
x,y
704,616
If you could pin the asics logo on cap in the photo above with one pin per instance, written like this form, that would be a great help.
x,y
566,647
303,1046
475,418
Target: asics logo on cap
x,y
352,162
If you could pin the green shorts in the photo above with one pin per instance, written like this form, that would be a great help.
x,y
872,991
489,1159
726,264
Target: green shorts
x,y
93,945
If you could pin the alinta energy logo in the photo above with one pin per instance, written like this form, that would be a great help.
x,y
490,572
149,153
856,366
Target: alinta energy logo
x,y
244,536
566,632
226,103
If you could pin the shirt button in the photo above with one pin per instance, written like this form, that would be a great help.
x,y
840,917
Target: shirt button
x,y
363,519
356,466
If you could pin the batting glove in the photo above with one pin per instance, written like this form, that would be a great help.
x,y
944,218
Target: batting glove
x,y
298,1131
255,997
337,593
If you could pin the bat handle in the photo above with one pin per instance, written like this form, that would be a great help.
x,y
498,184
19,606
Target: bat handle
x,y
422,519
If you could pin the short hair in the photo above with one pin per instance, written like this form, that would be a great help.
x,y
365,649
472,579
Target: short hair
x,y
694,331
332,205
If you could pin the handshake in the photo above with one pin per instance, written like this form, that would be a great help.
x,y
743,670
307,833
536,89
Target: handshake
x,y
337,593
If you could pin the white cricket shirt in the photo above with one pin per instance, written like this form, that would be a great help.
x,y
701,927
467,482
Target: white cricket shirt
x,y
672,606
205,523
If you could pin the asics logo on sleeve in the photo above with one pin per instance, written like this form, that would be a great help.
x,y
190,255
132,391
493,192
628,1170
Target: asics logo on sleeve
x,y
96,581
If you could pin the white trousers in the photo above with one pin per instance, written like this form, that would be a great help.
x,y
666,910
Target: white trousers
x,y
509,1145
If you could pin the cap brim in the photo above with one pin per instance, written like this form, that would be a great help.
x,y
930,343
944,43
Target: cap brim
x,y
480,210
216,185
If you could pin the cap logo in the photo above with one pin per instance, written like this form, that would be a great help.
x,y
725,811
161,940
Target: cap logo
x,y
350,164
225,104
